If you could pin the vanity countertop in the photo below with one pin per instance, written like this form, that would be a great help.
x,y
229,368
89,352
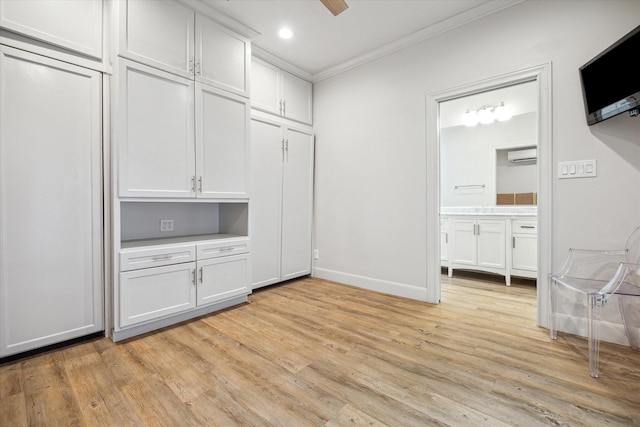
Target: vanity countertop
x,y
490,210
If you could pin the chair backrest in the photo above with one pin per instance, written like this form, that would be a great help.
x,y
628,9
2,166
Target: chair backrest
x,y
633,246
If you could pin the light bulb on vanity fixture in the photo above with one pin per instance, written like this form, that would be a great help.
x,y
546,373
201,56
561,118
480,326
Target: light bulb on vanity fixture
x,y
486,115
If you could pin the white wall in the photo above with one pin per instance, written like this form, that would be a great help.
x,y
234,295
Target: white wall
x,y
370,206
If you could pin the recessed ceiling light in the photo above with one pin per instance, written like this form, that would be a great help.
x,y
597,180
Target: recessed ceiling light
x,y
285,33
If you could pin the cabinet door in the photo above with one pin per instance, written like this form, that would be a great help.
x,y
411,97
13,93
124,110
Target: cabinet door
x,y
50,202
222,278
296,95
491,243
525,252
464,241
444,242
70,24
152,293
297,196
267,154
155,133
265,87
222,137
159,33
222,57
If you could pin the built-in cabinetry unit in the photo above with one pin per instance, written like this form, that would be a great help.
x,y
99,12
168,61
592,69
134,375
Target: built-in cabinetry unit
x,y
51,286
504,245
281,203
279,92
181,114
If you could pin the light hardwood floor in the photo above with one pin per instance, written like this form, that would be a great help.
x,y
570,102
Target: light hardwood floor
x,y
316,353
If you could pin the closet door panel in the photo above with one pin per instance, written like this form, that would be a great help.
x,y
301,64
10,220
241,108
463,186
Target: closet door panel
x,y
50,202
297,204
267,154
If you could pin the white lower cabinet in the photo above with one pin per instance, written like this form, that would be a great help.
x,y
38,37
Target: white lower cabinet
x,y
202,274
500,245
151,293
524,248
221,278
479,244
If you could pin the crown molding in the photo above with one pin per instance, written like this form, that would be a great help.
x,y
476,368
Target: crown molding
x,y
441,27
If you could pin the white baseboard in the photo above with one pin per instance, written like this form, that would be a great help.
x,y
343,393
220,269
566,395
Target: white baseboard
x,y
384,286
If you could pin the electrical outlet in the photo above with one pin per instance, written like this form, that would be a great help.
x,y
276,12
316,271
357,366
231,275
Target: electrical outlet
x,y
166,225
316,254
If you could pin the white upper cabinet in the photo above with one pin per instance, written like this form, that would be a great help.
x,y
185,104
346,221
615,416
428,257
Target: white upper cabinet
x,y
158,33
278,92
155,133
222,57
168,35
70,24
222,143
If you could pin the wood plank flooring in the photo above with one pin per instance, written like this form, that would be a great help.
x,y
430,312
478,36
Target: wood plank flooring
x,y
316,353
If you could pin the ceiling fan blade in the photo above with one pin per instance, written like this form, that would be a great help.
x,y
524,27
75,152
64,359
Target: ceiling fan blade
x,y
335,6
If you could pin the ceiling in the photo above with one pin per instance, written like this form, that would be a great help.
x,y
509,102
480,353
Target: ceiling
x,y
325,45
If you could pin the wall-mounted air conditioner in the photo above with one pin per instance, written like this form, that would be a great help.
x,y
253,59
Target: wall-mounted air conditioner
x,y
529,155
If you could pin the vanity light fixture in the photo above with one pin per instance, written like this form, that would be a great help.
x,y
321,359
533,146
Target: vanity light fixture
x,y
285,33
486,115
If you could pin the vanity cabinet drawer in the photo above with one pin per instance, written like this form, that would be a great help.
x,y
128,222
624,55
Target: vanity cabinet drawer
x,y
524,227
137,258
223,247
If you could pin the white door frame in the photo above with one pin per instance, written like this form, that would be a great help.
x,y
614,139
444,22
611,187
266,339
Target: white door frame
x,y
542,75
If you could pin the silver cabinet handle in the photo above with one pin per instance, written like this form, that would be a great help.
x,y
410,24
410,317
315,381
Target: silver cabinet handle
x,y
198,70
284,107
528,226
446,237
191,66
193,184
478,229
200,184
162,257
281,111
201,274
514,242
193,276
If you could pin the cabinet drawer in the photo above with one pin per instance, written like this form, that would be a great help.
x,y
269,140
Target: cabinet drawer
x,y
222,247
137,258
524,227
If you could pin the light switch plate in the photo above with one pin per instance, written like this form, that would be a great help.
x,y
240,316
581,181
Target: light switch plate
x,y
577,169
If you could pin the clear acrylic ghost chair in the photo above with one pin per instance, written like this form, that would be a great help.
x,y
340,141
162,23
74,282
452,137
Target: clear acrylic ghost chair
x,y
585,273
625,287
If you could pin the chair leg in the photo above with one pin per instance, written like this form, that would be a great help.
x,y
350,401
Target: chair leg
x,y
594,342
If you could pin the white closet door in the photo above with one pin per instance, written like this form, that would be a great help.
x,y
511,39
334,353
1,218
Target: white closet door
x,y
297,204
155,133
267,154
50,202
222,137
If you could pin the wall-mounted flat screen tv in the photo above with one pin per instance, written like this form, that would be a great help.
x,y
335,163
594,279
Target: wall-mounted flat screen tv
x,y
610,82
